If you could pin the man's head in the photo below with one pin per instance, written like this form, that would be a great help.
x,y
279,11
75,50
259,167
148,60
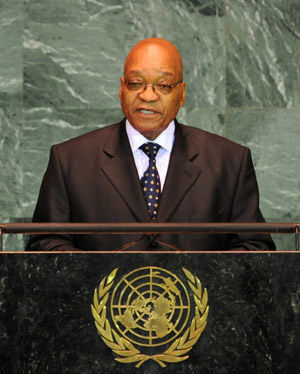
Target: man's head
x,y
152,61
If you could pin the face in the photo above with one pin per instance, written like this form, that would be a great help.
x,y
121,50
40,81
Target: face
x,y
148,112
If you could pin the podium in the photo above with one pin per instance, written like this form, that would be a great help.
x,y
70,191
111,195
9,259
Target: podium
x,y
250,317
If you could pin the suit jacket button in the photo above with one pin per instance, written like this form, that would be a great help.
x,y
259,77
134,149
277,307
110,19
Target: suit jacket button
x,y
154,244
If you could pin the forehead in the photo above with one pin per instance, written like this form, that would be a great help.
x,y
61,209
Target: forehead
x,y
146,72
152,59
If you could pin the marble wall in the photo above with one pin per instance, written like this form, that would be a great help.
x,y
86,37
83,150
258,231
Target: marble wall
x,y
60,64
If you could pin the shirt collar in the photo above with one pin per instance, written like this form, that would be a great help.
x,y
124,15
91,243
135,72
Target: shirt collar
x,y
165,139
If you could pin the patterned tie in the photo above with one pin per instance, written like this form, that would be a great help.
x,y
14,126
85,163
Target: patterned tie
x,y
150,180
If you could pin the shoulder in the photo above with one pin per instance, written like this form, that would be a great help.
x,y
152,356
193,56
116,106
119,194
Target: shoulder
x,y
87,148
91,141
92,137
207,140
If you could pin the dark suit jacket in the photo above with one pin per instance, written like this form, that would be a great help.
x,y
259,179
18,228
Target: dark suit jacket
x,y
93,178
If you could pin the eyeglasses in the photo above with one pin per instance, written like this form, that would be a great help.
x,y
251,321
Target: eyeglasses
x,y
158,88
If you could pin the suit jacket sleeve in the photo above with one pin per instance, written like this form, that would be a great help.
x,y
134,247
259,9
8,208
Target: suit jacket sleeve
x,y
52,206
245,208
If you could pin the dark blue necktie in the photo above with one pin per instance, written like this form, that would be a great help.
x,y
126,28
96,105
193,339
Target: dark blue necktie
x,y
150,180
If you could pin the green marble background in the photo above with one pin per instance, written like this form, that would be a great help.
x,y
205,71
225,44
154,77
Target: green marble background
x,y
60,63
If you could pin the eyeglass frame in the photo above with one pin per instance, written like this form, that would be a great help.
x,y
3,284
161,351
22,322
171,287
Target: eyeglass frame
x,y
145,85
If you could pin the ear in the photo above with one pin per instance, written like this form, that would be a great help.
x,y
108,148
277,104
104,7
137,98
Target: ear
x,y
121,87
182,99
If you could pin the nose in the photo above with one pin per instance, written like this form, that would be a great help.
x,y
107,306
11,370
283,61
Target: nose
x,y
149,94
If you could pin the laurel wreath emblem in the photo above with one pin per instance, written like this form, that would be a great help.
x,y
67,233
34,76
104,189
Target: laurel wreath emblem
x,y
125,350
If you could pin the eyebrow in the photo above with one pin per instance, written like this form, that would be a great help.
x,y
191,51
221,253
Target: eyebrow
x,y
138,72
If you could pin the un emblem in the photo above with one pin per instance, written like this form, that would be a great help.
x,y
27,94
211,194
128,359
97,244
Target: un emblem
x,y
149,309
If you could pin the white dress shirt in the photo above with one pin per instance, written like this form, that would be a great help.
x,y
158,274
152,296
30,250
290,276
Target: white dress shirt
x,y
165,140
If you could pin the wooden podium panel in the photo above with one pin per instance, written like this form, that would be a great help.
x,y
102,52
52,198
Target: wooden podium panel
x,y
253,324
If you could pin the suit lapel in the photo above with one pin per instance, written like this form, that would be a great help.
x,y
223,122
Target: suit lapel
x,y
121,171
181,175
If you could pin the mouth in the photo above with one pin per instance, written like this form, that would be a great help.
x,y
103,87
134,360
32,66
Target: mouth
x,y
146,111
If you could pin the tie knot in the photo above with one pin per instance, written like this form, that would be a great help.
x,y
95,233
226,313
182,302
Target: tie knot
x,y
151,149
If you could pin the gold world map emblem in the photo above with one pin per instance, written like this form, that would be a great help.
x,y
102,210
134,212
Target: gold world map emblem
x,y
150,306
149,309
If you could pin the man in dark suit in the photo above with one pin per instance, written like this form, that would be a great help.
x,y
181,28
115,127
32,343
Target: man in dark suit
x,y
150,168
